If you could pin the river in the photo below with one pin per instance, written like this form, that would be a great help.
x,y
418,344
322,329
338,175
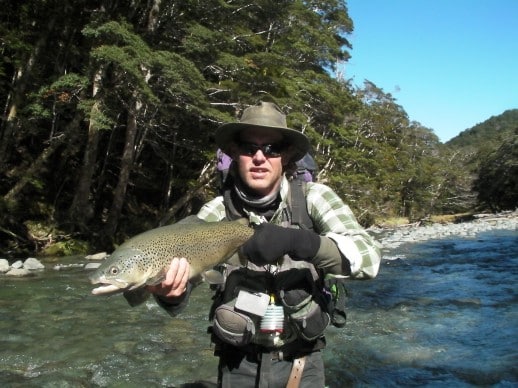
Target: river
x,y
442,312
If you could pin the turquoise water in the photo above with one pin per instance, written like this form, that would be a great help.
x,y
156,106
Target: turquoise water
x,y
441,313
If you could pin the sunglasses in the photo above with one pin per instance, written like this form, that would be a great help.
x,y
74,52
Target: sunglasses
x,y
268,150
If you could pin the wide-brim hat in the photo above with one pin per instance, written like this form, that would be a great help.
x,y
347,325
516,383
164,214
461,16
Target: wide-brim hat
x,y
263,115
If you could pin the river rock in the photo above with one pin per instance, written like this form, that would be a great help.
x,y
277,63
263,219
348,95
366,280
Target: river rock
x,y
92,265
97,256
4,266
17,264
60,267
18,272
32,264
417,233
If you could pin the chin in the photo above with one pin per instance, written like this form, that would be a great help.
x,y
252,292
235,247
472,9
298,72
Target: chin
x,y
259,189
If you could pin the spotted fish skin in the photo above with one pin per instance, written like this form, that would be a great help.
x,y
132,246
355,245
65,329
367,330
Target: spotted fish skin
x,y
145,258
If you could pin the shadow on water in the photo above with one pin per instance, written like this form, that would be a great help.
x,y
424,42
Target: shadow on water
x,y
443,314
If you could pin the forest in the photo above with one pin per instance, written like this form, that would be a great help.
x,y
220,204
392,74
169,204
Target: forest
x,y
109,111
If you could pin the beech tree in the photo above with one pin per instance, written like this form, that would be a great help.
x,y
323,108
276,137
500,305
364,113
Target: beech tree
x,y
109,112
497,181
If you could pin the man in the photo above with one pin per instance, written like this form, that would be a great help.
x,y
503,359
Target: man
x,y
270,313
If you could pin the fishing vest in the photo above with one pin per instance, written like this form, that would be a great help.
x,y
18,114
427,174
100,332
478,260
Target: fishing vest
x,y
272,305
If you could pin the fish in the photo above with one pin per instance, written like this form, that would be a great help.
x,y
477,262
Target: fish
x,y
144,259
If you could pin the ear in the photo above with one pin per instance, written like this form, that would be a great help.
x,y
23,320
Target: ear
x,y
287,155
233,151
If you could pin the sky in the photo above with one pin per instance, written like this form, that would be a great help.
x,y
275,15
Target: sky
x,y
451,64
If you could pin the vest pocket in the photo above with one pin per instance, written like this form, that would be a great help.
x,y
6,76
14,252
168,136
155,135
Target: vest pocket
x,y
233,327
310,321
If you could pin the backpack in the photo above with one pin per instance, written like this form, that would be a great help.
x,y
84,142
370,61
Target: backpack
x,y
306,169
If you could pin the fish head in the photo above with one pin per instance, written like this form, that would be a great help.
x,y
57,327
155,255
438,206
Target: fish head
x,y
124,270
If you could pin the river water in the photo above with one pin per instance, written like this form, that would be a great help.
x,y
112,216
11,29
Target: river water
x,y
441,313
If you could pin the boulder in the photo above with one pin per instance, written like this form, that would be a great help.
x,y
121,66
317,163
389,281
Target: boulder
x,y
19,272
97,256
60,267
92,265
17,264
4,266
32,264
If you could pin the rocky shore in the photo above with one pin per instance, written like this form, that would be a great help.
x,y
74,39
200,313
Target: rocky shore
x,y
31,265
394,237
390,239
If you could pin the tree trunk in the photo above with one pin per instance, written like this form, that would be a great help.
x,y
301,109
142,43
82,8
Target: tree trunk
x,y
128,158
207,177
34,168
154,15
81,210
17,96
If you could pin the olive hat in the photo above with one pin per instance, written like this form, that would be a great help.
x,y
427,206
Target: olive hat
x,y
263,115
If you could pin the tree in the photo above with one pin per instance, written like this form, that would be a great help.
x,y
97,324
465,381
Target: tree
x,y
110,110
497,182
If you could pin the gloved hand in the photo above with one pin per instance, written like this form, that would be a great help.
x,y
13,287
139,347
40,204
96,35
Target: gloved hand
x,y
270,242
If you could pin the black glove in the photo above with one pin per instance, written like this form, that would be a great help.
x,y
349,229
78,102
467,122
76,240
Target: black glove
x,y
270,242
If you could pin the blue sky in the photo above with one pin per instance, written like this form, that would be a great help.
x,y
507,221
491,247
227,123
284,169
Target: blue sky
x,y
450,64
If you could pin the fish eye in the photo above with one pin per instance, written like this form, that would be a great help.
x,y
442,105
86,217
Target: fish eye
x,y
114,270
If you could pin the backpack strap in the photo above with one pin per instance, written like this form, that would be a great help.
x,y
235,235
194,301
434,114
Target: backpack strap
x,y
298,204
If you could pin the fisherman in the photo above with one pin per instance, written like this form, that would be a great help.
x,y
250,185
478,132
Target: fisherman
x,y
270,314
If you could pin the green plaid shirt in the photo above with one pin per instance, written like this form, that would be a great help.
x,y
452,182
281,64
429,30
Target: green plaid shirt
x,y
331,218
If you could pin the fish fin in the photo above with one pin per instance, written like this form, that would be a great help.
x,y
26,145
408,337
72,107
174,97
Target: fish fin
x,y
195,280
213,276
237,259
156,279
243,221
193,219
136,297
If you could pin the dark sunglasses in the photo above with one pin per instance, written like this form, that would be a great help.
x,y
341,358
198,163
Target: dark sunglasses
x,y
269,150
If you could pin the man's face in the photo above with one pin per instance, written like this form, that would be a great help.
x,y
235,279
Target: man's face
x,y
260,156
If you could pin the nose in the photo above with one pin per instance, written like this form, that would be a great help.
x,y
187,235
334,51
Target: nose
x,y
258,156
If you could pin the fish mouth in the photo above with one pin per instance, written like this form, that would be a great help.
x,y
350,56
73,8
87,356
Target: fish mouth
x,y
107,289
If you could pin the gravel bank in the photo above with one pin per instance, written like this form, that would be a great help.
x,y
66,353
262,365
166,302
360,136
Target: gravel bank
x,y
393,238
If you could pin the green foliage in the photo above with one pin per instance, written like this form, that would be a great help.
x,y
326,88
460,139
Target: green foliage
x,y
66,248
497,182
57,97
96,116
130,64
82,72
485,153
491,133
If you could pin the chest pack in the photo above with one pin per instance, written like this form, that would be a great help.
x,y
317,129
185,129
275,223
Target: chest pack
x,y
272,309
269,309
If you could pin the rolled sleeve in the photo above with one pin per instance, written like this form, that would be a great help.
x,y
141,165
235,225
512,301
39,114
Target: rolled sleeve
x,y
213,211
335,220
363,257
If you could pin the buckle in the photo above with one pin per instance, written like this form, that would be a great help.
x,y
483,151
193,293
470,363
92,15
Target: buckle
x,y
277,356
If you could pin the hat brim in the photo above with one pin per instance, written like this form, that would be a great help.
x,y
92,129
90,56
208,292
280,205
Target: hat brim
x,y
228,133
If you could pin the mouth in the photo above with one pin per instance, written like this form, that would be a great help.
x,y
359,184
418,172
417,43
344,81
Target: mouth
x,y
258,173
107,289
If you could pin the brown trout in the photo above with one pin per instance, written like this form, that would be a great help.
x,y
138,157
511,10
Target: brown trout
x,y
144,259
